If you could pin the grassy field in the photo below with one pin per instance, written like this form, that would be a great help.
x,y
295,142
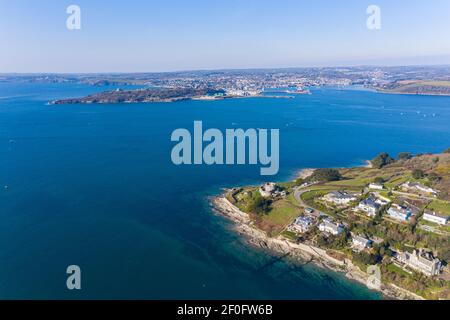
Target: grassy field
x,y
283,213
393,268
440,206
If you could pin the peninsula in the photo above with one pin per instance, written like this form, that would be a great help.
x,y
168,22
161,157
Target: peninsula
x,y
145,95
391,216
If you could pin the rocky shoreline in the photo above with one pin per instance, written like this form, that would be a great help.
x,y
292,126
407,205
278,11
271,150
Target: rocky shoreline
x,y
301,253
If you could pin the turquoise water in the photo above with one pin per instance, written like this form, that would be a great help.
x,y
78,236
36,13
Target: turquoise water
x,y
93,185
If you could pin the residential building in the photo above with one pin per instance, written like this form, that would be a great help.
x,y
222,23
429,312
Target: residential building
x,y
436,218
328,226
370,206
376,186
421,261
339,197
302,224
361,242
399,212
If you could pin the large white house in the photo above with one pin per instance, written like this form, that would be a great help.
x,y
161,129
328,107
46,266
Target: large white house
x,y
330,227
302,224
436,218
421,261
361,242
370,206
339,197
376,186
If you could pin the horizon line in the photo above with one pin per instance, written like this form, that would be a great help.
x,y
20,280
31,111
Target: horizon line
x,y
224,69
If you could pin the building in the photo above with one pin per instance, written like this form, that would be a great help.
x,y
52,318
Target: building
x,y
436,218
302,224
267,189
361,242
330,227
339,197
414,186
421,261
381,200
370,206
399,212
376,186
271,190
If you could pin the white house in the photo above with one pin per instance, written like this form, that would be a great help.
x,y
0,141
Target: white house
x,y
361,242
370,206
436,218
421,261
302,224
339,197
329,227
376,186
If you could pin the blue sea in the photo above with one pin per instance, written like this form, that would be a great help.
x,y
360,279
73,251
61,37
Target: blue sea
x,y
94,186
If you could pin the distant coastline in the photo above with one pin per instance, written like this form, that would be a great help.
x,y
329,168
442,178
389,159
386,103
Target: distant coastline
x,y
166,95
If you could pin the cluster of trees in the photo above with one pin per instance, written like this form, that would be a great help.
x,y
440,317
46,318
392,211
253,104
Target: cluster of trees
x,y
334,242
326,175
419,174
366,258
382,160
404,156
259,205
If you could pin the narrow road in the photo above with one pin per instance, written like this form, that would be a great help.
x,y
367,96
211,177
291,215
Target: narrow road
x,y
298,197
412,195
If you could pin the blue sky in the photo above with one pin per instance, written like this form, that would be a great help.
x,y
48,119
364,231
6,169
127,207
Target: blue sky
x,y
167,35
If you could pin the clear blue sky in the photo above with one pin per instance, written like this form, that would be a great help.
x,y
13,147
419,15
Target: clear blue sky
x,y
166,35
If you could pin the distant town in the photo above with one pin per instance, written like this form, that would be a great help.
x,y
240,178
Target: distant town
x,y
393,214
219,84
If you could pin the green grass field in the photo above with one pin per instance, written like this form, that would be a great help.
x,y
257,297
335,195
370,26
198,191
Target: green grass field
x,y
442,207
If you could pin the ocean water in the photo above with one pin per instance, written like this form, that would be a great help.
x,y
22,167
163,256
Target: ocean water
x,y
93,185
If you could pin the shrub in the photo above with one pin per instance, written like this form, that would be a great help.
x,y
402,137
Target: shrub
x,y
383,159
404,155
324,175
418,174
433,177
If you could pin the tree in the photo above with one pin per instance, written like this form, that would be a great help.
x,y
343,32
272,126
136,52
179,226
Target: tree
x,y
383,159
366,258
404,156
433,177
325,175
379,180
447,151
259,205
418,174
